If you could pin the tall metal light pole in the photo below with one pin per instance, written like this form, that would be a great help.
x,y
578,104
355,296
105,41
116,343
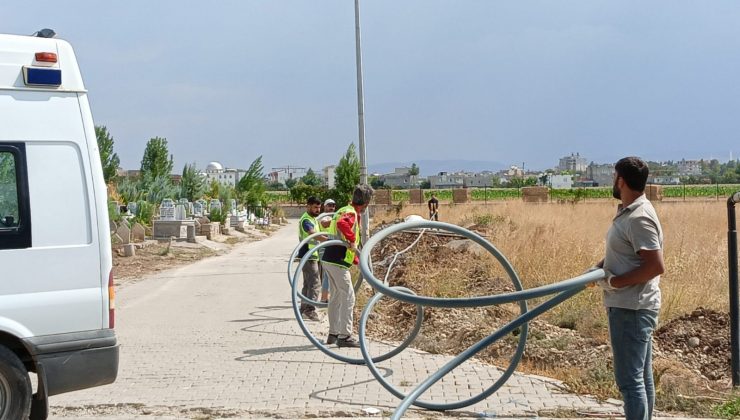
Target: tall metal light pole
x,y
361,119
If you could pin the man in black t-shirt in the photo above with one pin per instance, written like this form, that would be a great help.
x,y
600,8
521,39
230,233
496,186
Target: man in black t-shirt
x,y
433,205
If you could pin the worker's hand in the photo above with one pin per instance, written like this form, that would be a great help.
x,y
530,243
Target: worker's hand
x,y
354,249
606,282
588,270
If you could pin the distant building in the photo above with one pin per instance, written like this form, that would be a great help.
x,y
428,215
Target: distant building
x,y
285,173
573,163
224,176
601,174
689,167
328,176
559,182
400,178
447,180
664,179
480,180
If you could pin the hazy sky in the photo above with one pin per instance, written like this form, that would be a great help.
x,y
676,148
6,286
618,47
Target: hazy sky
x,y
506,81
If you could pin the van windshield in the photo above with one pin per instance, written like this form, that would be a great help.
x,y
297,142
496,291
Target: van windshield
x,y
8,192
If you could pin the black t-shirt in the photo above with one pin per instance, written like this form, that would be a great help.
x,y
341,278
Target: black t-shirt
x,y
433,204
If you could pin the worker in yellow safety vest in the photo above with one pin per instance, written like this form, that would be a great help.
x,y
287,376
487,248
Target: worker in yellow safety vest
x,y
308,225
336,261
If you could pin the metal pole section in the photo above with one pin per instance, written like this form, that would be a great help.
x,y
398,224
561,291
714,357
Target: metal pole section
x,y
361,120
734,307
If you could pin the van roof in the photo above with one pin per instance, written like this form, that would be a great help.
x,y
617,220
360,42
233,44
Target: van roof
x,y
17,52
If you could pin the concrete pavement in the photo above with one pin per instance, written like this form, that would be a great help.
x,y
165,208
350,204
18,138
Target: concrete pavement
x,y
217,339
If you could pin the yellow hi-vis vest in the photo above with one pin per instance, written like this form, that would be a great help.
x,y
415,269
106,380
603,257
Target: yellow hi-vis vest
x,y
338,254
302,234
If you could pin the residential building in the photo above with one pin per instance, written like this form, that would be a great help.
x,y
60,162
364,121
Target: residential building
x,y
447,180
602,174
689,167
573,163
664,179
400,178
480,179
328,176
559,182
224,176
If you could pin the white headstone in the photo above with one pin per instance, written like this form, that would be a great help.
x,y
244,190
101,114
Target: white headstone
x,y
180,213
167,210
197,209
215,204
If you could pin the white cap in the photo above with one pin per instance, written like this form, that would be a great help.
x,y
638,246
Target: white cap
x,y
329,201
414,218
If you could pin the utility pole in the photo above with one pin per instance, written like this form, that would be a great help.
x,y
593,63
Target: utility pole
x,y
364,233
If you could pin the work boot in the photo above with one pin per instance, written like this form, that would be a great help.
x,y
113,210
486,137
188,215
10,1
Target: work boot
x,y
348,342
332,338
311,316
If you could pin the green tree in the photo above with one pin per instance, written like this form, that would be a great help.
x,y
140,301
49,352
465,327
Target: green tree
x,y
129,190
290,182
157,189
251,188
214,189
376,182
157,162
108,159
311,178
193,184
347,174
414,170
425,184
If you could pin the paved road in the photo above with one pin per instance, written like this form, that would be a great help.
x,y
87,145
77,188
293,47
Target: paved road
x,y
217,339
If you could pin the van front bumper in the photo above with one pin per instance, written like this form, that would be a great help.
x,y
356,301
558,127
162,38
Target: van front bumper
x,y
70,362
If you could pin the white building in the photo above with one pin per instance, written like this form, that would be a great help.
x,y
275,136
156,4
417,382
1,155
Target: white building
x,y
573,163
560,182
224,176
328,176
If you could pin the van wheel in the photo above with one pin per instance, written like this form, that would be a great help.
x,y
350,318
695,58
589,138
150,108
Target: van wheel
x,y
15,387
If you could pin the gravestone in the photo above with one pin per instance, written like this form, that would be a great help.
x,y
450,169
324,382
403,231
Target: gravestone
x,y
124,233
197,209
180,213
232,203
113,225
215,205
167,210
138,233
133,208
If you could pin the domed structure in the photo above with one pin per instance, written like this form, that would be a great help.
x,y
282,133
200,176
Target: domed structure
x,y
214,167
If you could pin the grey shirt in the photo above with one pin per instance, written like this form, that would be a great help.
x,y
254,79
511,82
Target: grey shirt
x,y
635,228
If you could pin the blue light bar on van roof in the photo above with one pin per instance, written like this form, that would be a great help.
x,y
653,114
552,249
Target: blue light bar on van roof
x,y
34,76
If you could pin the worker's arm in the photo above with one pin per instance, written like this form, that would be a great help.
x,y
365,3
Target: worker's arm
x,y
311,229
651,267
346,224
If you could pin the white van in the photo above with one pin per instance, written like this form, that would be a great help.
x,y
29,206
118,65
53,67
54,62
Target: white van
x,y
56,285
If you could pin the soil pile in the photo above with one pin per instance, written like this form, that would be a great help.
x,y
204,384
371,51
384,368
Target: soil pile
x,y
700,340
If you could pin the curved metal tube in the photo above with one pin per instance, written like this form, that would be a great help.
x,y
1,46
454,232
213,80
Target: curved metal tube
x,y
562,291
321,346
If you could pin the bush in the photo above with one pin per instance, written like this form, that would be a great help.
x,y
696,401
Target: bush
x,y
217,216
144,213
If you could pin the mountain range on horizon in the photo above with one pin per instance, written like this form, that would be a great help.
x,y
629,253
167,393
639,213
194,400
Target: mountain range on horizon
x,y
433,167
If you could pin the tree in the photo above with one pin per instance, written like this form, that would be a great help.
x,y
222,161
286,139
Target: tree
x,y
376,182
311,178
347,174
156,163
251,188
193,184
160,188
108,159
414,170
290,182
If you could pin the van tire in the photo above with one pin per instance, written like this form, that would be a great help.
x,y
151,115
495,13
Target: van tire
x,y
15,387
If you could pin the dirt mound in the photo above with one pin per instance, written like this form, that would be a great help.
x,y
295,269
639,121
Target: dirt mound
x,y
700,340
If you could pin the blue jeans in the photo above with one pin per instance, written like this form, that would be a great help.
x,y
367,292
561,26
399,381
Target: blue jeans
x,y
631,337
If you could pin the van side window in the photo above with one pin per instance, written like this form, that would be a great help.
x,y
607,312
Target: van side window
x,y
15,228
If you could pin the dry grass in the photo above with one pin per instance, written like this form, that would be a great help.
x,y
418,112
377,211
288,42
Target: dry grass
x,y
550,242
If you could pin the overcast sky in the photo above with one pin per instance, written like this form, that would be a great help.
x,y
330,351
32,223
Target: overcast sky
x,y
505,81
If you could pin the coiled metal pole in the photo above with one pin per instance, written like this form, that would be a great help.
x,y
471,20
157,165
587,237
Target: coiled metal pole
x,y
562,291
